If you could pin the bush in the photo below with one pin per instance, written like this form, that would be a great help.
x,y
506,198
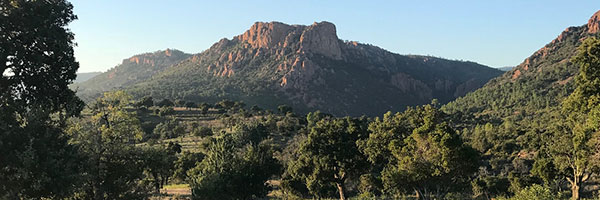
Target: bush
x,y
164,111
168,129
202,131
165,103
231,170
534,192
190,105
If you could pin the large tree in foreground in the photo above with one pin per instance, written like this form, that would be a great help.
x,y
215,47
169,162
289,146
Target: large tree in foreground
x,y
36,66
329,156
416,151
236,166
576,146
114,164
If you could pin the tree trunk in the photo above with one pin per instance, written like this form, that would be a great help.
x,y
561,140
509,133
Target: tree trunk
x,y
156,183
2,65
340,187
575,188
417,194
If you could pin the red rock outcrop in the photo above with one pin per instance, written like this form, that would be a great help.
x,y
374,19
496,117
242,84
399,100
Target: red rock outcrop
x,y
318,38
593,24
321,38
266,35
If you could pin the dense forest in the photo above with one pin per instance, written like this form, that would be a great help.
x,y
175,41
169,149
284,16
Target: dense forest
x,y
520,137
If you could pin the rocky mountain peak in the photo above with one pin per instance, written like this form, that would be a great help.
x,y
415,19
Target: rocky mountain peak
x,y
593,24
321,38
318,38
266,34
150,58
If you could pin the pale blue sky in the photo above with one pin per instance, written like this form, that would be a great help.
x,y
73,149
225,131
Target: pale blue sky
x,y
491,32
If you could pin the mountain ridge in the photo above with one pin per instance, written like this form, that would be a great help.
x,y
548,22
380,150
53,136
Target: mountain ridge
x,y
310,68
134,69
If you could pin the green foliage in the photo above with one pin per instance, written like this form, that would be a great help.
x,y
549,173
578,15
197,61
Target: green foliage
x,y
180,103
534,192
575,142
418,150
159,165
165,111
165,103
225,104
185,162
234,168
329,156
190,105
535,115
113,166
490,186
36,66
202,131
284,109
168,129
146,102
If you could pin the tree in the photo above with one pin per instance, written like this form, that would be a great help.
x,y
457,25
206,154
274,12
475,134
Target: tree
x,y
180,102
418,150
114,166
169,129
534,192
239,104
576,142
255,109
159,164
36,67
165,103
284,109
190,104
185,162
203,108
226,104
234,167
146,101
330,156
202,131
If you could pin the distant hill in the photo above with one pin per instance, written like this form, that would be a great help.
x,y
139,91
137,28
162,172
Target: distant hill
x,y
306,67
508,68
81,77
132,70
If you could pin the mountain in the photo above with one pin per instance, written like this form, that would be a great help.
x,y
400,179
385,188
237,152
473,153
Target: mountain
x,y
84,76
132,70
533,88
507,68
306,67
310,68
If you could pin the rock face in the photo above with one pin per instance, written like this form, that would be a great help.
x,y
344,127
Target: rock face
x,y
310,68
266,35
321,38
593,24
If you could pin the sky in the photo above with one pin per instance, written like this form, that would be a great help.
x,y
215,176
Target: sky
x,y
495,33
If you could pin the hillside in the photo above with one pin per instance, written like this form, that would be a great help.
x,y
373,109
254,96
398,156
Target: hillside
x,y
507,68
533,87
132,70
81,77
310,68
513,119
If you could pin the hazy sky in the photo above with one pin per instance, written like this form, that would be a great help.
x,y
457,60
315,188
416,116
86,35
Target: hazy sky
x,y
496,33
